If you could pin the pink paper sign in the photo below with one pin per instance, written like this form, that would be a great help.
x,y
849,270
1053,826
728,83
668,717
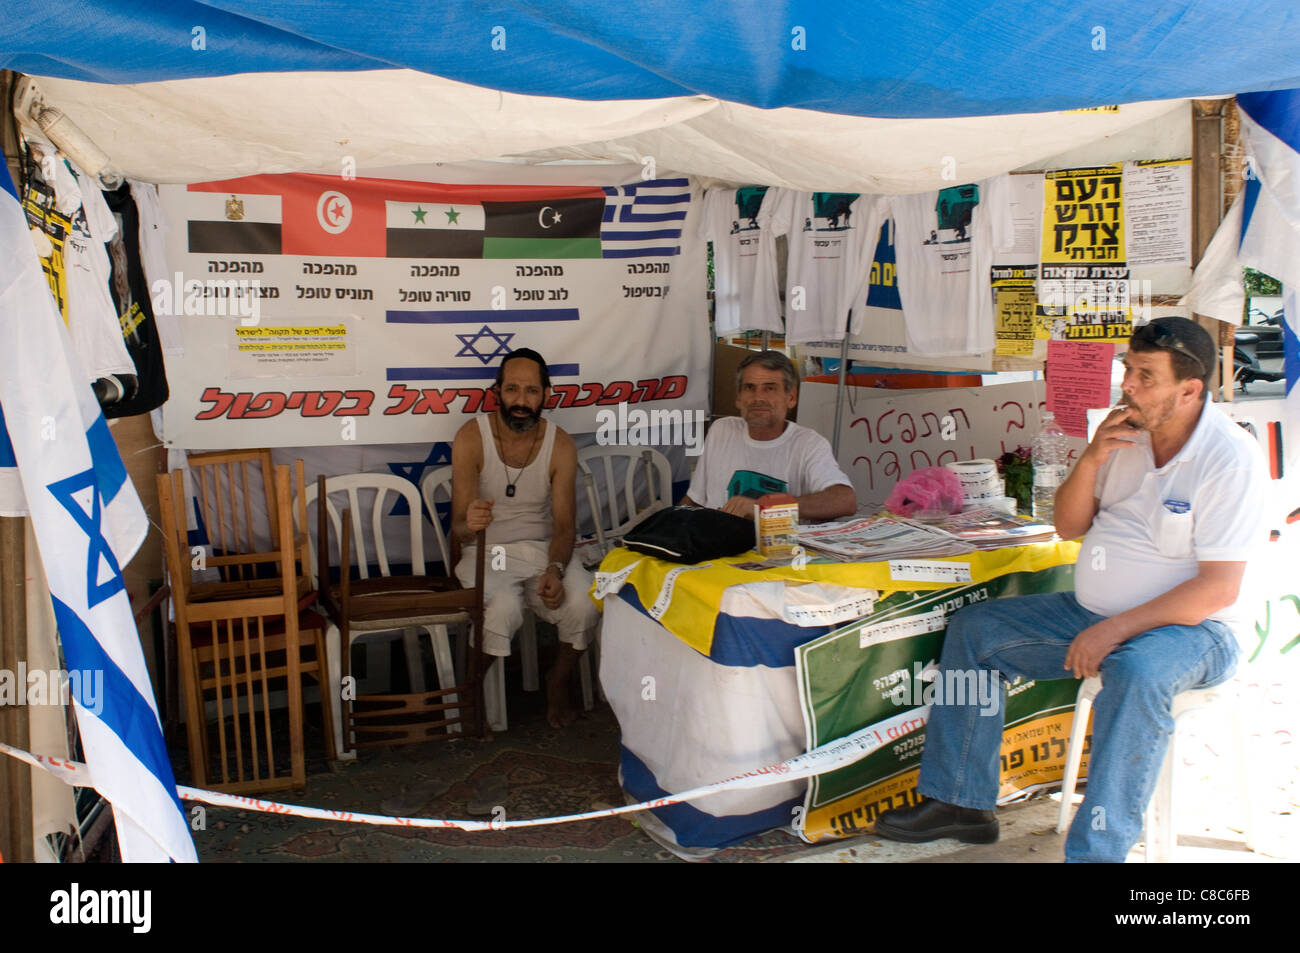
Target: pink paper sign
x,y
1078,377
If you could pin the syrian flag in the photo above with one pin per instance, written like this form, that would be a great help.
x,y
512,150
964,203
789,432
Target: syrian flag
x,y
1270,221
88,523
434,230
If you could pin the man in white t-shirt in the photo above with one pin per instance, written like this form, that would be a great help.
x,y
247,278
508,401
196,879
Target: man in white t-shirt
x,y
1170,493
761,452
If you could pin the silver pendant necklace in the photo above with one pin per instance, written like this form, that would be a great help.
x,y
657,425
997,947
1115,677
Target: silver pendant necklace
x,y
510,484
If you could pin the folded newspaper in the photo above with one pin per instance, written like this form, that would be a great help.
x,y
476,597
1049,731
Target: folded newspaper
x,y
884,536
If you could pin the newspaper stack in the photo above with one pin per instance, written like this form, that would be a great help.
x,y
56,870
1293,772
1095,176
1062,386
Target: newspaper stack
x,y
984,528
874,538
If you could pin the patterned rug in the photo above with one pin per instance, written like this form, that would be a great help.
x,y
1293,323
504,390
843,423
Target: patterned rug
x,y
549,772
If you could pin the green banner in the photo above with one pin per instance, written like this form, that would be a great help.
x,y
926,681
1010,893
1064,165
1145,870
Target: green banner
x,y
876,670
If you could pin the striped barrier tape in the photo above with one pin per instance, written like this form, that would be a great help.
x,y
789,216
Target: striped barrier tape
x,y
829,757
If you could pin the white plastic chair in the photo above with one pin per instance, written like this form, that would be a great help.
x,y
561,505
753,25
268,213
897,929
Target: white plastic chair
x,y
381,485
1161,832
435,488
614,496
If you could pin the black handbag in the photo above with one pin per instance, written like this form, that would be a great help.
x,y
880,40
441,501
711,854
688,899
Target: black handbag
x,y
691,534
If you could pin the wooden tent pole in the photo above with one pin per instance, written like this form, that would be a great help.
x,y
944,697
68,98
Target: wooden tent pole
x,y
1207,212
15,777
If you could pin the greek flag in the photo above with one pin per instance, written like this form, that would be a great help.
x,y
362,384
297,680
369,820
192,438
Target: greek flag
x,y
1270,219
88,523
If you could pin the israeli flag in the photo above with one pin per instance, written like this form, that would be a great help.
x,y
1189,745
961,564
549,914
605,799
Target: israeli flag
x,y
1270,219
88,523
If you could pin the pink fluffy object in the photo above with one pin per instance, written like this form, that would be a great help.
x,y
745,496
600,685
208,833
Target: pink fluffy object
x,y
932,490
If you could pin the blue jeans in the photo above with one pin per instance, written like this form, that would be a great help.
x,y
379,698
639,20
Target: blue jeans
x,y
1028,637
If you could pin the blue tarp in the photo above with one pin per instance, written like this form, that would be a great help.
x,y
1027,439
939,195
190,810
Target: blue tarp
x,y
884,59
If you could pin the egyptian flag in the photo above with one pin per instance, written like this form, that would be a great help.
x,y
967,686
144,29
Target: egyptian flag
x,y
227,223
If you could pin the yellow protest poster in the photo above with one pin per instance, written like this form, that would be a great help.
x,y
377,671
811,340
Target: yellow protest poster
x,y
1084,287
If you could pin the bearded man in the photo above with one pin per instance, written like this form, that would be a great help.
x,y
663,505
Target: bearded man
x,y
513,475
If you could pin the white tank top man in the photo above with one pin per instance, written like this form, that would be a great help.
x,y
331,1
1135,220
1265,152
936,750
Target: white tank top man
x,y
513,475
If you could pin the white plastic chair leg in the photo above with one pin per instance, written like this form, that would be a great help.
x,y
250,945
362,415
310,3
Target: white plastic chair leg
x,y
528,653
446,671
333,657
1161,836
1074,754
414,665
494,695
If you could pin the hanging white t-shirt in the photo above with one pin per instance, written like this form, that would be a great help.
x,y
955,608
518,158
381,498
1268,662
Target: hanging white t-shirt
x,y
944,245
745,290
93,322
832,237
798,462
153,259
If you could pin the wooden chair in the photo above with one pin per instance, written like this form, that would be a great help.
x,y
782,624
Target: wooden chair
x,y
387,602
237,635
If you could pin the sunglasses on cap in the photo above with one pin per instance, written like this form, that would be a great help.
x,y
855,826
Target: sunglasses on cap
x,y
1161,336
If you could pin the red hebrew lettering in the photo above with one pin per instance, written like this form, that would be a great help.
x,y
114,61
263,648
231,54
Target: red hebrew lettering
x,y
473,398
320,403
645,390
590,393
1012,423
891,468
241,404
674,386
909,432
939,461
929,429
363,398
616,392
269,404
220,401
433,401
862,420
565,395
871,477
405,397
879,427
918,466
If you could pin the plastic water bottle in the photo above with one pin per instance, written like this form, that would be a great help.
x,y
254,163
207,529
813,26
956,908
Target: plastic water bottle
x,y
1050,454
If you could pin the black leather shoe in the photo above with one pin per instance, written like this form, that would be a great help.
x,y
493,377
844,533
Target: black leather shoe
x,y
931,820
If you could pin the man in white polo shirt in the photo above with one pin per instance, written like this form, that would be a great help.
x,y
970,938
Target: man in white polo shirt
x,y
1170,494
761,452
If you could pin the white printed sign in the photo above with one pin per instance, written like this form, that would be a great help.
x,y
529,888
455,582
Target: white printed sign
x,y
317,310
928,570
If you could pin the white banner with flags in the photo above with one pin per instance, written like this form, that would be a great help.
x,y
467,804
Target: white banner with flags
x,y
88,523
321,310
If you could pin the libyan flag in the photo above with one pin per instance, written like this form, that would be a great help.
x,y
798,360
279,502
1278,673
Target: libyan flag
x,y
322,215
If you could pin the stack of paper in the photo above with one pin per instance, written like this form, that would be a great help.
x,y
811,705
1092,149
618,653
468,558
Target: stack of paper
x,y
873,538
984,528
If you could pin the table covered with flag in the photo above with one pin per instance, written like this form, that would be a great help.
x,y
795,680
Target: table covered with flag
x,y
716,669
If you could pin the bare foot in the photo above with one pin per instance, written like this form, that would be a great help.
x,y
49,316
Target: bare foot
x,y
560,712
